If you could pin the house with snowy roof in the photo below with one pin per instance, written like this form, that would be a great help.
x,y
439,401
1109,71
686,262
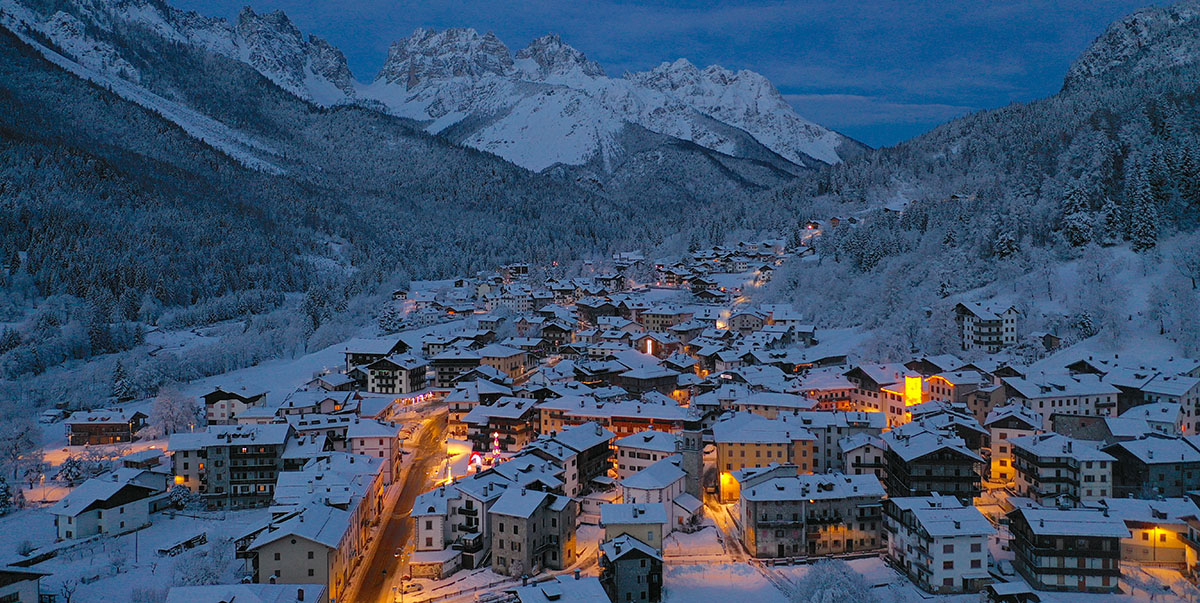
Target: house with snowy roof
x,y
103,505
631,570
1006,423
583,451
221,407
532,531
921,462
663,483
643,521
365,350
97,427
1155,465
312,545
1158,528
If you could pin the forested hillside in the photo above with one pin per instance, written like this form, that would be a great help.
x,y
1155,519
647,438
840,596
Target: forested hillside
x,y
1111,161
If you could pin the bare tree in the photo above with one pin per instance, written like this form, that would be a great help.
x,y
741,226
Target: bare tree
x,y
173,411
67,590
1187,259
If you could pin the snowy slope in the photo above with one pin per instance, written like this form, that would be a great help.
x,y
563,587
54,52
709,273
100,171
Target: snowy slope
x,y
308,67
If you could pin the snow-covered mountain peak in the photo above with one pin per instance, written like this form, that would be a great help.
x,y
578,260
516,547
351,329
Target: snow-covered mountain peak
x,y
549,57
1151,38
310,67
429,55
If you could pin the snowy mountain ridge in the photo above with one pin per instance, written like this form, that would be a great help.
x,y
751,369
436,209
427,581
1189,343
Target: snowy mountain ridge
x,y
546,104
551,104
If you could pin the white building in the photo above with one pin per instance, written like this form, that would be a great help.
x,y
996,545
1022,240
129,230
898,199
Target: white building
x,y
941,544
663,483
102,505
640,450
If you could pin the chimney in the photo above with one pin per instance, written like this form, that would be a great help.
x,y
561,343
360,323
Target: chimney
x,y
299,594
576,573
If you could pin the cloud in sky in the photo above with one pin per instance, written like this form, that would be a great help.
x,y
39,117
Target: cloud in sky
x,y
904,63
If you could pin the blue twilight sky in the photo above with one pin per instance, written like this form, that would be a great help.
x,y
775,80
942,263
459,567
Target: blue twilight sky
x,y
880,71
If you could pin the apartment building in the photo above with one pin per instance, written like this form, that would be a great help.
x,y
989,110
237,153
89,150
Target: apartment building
x,y
985,329
1051,466
941,544
923,462
1006,423
640,450
231,466
811,515
1064,549
747,440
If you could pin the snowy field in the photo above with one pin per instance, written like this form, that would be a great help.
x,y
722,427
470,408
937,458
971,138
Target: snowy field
x,y
109,570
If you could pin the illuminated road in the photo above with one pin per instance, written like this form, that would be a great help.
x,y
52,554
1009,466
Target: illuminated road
x,y
397,530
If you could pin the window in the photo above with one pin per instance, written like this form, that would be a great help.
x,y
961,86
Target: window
x,y
277,556
948,548
310,571
948,565
310,554
976,547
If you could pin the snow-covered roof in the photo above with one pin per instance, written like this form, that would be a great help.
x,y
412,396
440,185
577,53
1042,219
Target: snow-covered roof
x,y
943,522
1157,412
585,589
1016,412
99,492
659,475
1079,522
519,502
246,593
1061,386
924,443
624,545
504,408
372,345
1155,449
111,416
321,524
1053,445
820,486
228,435
656,441
640,513
1147,511
749,428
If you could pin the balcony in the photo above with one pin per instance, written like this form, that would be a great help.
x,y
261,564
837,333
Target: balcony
x,y
472,512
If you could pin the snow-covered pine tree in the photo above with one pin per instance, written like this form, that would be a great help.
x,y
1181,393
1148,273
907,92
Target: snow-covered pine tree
x,y
1077,218
6,498
1110,223
122,389
1143,210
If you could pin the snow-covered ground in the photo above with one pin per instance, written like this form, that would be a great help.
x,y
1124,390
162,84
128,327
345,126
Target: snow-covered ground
x,y
718,583
108,570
